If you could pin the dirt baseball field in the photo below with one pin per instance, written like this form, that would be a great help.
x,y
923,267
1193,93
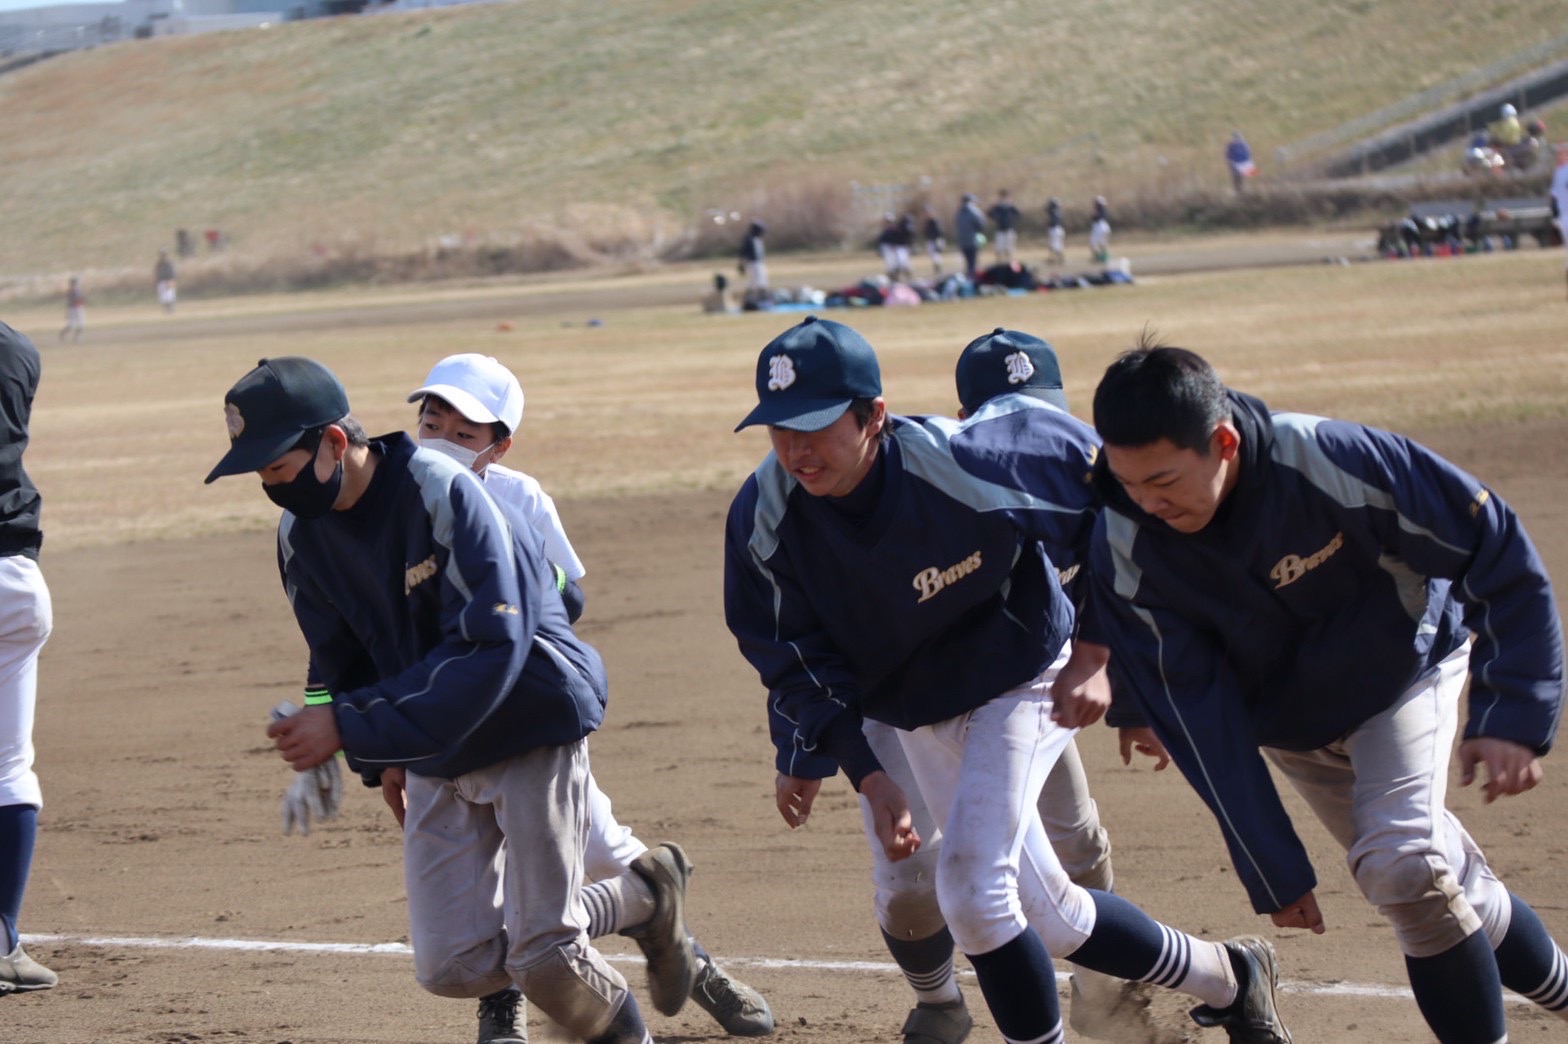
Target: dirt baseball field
x,y
173,908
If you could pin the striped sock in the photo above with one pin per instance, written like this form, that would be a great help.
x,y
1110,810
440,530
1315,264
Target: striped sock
x,y
927,964
1531,963
1019,984
1129,944
617,904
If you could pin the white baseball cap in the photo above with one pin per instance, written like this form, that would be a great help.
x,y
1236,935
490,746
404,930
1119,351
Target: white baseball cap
x,y
478,387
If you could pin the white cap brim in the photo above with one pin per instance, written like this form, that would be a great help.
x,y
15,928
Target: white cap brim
x,y
463,402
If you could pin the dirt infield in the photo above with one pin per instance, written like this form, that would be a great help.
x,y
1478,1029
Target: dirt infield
x,y
162,877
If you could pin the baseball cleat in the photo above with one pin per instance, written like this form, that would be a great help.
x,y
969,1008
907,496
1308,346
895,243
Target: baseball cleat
x,y
937,1023
503,1017
1252,1018
738,1008
19,973
672,963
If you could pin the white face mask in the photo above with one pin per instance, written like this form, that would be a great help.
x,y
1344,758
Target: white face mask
x,y
462,454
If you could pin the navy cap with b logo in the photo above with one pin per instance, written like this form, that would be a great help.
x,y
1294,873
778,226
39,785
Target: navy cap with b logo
x,y
1006,362
270,407
808,375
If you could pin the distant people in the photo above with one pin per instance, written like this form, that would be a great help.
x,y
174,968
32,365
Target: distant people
x,y
163,277
1100,231
217,240
718,301
1004,215
1055,234
1560,192
1505,132
893,244
968,232
75,311
1238,157
931,232
754,265
184,245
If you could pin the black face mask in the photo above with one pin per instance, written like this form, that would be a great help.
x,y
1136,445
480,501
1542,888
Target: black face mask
x,y
306,496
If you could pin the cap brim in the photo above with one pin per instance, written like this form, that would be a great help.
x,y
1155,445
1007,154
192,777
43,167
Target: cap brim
x,y
253,455
463,402
797,415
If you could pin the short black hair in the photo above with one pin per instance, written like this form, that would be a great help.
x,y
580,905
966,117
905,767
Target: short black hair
x,y
497,428
1155,391
864,408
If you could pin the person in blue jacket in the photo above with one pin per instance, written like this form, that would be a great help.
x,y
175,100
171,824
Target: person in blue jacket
x,y
1320,590
445,662
900,569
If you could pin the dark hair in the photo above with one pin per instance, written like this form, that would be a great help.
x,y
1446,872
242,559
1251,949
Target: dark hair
x,y
310,439
498,429
1154,391
864,408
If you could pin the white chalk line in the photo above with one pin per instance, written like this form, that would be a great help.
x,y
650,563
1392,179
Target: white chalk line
x,y
152,942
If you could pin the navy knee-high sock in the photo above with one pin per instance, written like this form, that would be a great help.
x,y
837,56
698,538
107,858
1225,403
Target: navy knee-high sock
x,y
18,831
1459,992
1019,983
1531,963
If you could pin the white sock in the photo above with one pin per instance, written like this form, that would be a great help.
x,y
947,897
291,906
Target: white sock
x,y
617,904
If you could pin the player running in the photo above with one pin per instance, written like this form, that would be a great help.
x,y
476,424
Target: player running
x,y
899,569
445,659
470,407
1320,589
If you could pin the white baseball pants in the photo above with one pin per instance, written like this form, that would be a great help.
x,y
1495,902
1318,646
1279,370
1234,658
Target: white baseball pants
x,y
981,774
26,618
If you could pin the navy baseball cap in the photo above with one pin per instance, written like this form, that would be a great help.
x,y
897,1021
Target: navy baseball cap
x,y
272,406
1008,362
808,375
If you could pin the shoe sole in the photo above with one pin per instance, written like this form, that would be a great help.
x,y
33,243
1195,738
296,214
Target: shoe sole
x,y
667,871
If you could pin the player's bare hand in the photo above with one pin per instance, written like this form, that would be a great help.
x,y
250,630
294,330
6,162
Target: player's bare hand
x,y
794,797
307,738
1142,739
1081,693
1511,768
394,782
890,816
1303,913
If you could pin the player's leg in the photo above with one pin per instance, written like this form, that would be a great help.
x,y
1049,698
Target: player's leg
x,y
621,900
26,617
1381,793
904,894
997,869
1103,1006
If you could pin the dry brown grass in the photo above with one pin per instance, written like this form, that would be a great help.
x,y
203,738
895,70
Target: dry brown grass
x,y
609,131
124,432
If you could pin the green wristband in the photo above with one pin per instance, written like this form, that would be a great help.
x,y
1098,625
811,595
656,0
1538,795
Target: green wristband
x,y
560,577
316,697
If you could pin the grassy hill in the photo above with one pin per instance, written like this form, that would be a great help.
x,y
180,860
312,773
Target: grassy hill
x,y
607,129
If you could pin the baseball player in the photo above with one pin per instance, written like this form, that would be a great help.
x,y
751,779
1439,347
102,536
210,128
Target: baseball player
x,y
1055,234
1318,589
1100,231
26,617
450,671
1004,362
898,569
469,407
1004,215
75,310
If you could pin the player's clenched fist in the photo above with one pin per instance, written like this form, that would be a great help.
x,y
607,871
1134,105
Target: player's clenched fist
x,y
307,738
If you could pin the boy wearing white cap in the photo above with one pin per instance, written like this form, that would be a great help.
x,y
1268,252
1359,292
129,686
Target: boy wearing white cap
x,y
469,408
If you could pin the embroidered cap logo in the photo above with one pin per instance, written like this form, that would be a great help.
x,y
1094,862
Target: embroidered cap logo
x,y
1019,368
781,373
